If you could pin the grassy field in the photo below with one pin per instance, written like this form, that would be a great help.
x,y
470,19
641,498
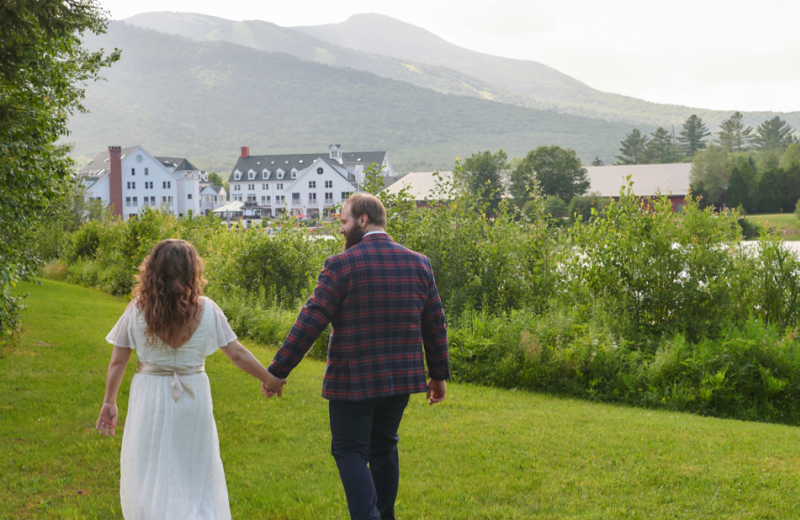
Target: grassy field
x,y
788,222
482,454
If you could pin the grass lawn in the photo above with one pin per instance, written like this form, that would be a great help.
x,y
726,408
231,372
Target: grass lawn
x,y
483,453
788,222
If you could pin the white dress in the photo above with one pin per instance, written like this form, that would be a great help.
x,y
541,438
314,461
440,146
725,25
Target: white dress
x,y
170,466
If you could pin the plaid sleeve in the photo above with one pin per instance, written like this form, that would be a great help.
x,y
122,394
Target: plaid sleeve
x,y
317,313
434,333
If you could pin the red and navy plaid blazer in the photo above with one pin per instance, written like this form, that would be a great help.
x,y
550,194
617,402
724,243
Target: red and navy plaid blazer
x,y
384,306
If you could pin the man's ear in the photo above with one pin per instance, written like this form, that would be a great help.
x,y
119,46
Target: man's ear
x,y
363,219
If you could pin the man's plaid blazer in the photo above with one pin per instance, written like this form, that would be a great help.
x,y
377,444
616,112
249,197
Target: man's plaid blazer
x,y
384,306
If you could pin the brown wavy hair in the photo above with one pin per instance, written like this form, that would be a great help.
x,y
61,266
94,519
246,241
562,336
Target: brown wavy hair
x,y
170,284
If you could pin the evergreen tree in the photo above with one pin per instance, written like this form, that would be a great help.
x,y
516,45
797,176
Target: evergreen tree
x,y
742,187
773,134
481,175
692,136
734,135
711,170
557,170
770,193
598,162
661,148
633,148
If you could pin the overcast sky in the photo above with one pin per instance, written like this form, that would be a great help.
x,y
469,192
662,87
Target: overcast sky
x,y
731,54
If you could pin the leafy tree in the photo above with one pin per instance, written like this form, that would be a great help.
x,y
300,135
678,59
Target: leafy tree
x,y
790,159
692,136
774,134
633,148
558,171
373,179
43,70
661,148
481,174
555,207
583,206
742,187
711,170
734,135
598,162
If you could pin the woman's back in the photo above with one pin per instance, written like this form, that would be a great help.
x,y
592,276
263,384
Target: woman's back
x,y
212,332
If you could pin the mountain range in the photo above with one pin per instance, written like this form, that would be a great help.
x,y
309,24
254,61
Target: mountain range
x,y
201,87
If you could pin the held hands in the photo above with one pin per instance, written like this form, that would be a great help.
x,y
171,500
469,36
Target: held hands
x,y
436,391
272,386
107,422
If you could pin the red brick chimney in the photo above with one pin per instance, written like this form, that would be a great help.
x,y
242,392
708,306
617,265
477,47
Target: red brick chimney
x,y
115,178
245,152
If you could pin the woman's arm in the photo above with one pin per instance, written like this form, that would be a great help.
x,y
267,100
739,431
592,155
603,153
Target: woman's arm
x,y
247,362
107,422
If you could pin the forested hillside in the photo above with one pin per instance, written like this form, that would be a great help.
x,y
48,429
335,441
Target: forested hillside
x,y
204,100
397,50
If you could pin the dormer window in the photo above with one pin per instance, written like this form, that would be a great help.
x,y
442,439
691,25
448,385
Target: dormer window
x,y
237,175
280,173
266,173
251,175
294,173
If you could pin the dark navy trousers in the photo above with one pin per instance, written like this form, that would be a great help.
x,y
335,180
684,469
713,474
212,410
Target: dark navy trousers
x,y
364,445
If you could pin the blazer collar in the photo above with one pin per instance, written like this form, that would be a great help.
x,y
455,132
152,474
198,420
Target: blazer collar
x,y
376,236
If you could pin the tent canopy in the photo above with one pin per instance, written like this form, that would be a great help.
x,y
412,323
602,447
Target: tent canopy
x,y
231,206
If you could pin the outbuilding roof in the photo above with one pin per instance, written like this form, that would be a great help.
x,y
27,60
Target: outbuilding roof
x,y
648,179
422,185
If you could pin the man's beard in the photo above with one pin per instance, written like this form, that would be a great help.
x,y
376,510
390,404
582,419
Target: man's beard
x,y
353,237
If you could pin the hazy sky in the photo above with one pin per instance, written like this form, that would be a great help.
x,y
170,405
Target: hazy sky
x,y
730,54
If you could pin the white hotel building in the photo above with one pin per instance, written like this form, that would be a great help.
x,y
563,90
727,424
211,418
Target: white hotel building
x,y
131,178
301,184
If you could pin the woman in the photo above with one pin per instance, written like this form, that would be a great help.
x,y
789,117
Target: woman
x,y
170,462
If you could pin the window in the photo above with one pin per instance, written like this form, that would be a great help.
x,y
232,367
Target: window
x,y
147,171
128,201
251,175
320,171
312,184
329,184
167,184
237,175
166,201
296,198
266,173
280,199
131,185
279,186
251,198
189,196
263,187
237,198
133,172
148,185
263,199
251,187
237,187
280,173
294,173
152,201
135,202
346,194
267,199
312,197
328,198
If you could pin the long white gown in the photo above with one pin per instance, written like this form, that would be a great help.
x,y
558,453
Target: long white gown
x,y
170,463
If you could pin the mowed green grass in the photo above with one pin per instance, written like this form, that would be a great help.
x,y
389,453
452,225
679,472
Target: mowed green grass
x,y
788,222
483,453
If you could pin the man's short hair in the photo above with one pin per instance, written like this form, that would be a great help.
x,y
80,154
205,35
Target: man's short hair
x,y
369,205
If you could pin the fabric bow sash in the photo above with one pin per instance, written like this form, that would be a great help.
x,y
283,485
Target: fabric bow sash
x,y
178,383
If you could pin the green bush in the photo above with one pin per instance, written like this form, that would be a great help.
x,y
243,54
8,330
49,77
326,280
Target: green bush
x,y
583,206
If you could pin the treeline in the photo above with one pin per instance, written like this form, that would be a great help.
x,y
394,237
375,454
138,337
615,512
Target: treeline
x,y
664,147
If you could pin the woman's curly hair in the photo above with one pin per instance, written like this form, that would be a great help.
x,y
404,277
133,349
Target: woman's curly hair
x,y
170,283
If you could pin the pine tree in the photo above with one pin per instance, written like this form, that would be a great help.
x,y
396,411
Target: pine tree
x,y
773,134
692,136
633,148
598,162
742,187
734,135
661,148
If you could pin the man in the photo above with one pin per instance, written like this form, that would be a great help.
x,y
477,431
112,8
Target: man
x,y
383,303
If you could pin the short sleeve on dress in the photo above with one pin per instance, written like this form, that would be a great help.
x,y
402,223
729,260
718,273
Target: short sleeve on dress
x,y
120,335
223,334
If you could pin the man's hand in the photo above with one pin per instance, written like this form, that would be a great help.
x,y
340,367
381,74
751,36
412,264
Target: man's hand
x,y
272,386
436,391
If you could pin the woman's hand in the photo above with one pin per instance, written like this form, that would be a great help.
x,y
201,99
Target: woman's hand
x,y
272,386
107,422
